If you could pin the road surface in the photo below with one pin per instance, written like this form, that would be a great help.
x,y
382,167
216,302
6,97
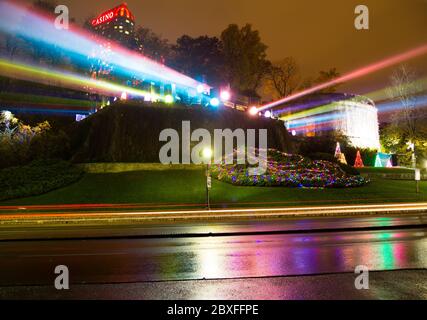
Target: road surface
x,y
248,250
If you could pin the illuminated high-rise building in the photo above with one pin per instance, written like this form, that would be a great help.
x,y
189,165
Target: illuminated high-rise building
x,y
118,25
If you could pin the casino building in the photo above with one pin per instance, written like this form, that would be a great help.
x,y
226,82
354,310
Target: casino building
x,y
118,25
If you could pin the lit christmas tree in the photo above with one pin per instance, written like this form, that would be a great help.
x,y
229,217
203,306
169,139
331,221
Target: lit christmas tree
x,y
358,163
383,160
337,150
339,155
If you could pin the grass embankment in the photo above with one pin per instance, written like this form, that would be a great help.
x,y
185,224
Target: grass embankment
x,y
19,98
157,189
36,178
385,170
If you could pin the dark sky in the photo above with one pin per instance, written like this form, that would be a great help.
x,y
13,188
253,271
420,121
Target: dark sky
x,y
319,34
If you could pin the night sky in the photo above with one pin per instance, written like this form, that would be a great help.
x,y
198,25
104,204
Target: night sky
x,y
319,34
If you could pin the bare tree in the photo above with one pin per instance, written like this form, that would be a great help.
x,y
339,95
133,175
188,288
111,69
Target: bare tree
x,y
283,78
326,76
408,120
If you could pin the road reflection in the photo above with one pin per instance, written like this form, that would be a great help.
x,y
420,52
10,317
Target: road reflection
x,y
309,254
136,260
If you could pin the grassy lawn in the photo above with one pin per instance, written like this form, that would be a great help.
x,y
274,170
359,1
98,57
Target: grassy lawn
x,y
188,187
385,170
29,98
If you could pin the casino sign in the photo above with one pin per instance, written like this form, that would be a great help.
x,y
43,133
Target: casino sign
x,y
119,11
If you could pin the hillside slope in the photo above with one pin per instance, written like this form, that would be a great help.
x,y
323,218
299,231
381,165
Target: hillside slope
x,y
130,132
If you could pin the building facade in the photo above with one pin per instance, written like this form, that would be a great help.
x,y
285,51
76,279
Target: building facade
x,y
118,25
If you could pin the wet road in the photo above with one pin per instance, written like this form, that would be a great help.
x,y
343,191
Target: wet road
x,y
214,227
226,256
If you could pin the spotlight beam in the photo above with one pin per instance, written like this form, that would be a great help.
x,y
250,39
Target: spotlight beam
x,y
421,50
79,45
62,79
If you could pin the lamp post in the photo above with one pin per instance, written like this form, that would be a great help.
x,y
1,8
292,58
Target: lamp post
x,y
207,155
417,179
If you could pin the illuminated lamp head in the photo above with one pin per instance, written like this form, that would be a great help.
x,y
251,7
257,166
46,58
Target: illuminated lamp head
x,y
207,153
169,99
124,96
200,88
214,102
267,114
225,95
253,111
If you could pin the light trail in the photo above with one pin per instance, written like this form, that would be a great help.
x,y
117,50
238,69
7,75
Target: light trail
x,y
223,213
86,206
63,79
419,86
79,46
391,106
324,116
321,110
419,51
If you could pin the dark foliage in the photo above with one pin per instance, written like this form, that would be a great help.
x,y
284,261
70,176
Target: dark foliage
x,y
36,178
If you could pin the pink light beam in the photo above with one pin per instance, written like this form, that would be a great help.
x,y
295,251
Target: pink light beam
x,y
353,75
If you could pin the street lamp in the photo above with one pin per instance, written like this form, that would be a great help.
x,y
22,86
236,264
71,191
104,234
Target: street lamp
x,y
417,179
207,155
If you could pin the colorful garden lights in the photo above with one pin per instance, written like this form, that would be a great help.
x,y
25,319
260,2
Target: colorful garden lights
x,y
289,171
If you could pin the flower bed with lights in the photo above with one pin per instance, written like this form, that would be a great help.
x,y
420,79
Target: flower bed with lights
x,y
289,171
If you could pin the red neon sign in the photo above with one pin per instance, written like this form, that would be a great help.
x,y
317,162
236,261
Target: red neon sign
x,y
109,15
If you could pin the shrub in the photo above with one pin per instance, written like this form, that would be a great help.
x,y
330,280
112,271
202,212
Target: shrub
x,y
36,178
349,169
22,143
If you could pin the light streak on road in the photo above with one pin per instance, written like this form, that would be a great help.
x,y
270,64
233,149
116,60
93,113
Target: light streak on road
x,y
220,213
